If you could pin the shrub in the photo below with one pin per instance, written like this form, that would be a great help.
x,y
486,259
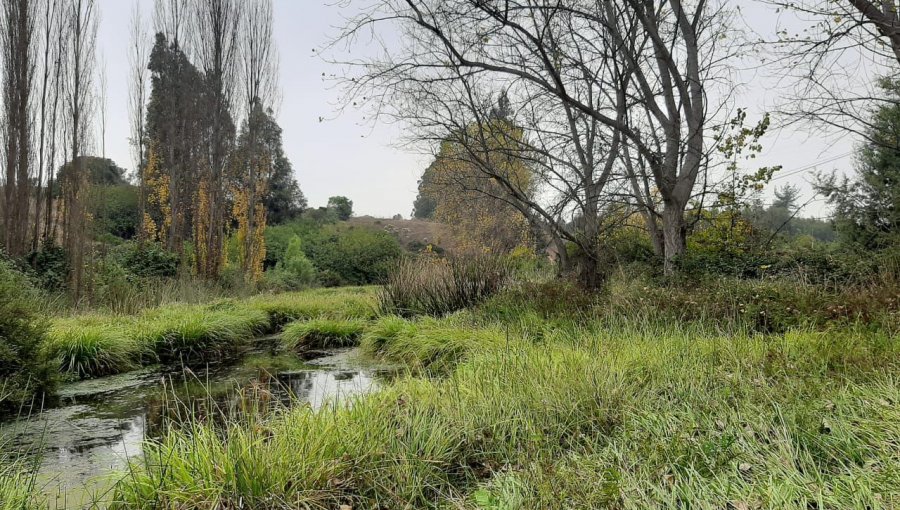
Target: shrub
x,y
50,267
24,370
146,260
342,254
294,271
433,286
117,212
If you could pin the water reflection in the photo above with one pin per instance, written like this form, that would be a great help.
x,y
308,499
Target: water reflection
x,y
98,426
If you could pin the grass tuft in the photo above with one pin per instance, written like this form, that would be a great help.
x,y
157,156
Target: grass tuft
x,y
434,286
322,333
16,488
334,303
93,346
204,332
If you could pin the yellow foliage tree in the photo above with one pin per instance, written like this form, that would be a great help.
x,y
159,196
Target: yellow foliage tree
x,y
158,219
474,181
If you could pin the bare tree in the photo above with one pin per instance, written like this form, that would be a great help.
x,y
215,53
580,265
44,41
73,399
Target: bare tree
x,y
826,52
18,57
101,99
170,18
664,56
81,36
50,67
139,80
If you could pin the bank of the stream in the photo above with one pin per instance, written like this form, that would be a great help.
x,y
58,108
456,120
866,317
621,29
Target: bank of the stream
x,y
94,345
525,403
78,446
574,415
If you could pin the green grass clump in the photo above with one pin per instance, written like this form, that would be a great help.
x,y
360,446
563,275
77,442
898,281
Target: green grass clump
x,y
629,420
93,346
17,488
97,345
334,303
436,344
322,333
199,332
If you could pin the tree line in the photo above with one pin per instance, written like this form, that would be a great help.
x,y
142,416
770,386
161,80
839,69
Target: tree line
x,y
623,111
207,149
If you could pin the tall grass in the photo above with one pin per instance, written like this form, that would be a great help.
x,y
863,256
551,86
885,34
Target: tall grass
x,y
95,345
433,286
199,332
334,303
15,489
428,343
92,345
322,333
629,420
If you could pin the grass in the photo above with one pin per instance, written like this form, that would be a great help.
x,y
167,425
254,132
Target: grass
x,y
632,417
95,345
433,286
428,343
199,332
92,345
16,488
334,303
322,333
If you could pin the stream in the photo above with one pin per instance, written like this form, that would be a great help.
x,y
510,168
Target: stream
x,y
79,442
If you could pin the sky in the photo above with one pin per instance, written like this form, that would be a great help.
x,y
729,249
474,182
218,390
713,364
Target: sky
x,y
345,155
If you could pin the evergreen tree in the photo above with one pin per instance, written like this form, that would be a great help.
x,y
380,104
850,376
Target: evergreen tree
x,y
867,208
283,199
175,126
342,207
425,204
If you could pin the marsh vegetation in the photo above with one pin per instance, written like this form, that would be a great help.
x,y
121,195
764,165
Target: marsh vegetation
x,y
607,297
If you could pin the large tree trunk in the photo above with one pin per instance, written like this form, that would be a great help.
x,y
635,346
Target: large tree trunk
x,y
674,235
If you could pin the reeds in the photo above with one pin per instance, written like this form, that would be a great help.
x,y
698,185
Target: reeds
x,y
433,286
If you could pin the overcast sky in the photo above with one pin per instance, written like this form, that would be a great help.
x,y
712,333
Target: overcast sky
x,y
344,156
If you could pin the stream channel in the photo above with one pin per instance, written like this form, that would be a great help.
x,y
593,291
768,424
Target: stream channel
x,y
84,439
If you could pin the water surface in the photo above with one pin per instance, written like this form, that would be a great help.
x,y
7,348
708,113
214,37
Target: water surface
x,y
95,426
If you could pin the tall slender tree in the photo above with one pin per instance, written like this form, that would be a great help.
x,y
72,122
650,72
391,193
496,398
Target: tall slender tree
x,y
260,74
18,46
215,31
138,81
81,37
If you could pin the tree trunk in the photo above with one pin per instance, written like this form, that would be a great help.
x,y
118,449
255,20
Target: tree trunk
x,y
674,234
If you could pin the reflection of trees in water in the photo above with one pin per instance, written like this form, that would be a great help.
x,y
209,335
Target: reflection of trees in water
x,y
189,402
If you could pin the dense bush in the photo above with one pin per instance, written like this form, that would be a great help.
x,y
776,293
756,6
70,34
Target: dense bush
x,y
433,286
146,260
342,254
23,369
49,267
116,211
294,271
